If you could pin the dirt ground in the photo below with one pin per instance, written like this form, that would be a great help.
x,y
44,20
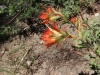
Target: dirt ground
x,y
26,55
29,57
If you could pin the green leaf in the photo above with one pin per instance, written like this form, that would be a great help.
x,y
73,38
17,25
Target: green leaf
x,y
98,51
92,62
95,45
85,35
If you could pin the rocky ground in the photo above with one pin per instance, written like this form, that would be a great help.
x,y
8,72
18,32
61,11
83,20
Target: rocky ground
x,y
29,57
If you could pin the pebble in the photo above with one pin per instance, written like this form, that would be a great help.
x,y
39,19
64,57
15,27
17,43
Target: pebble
x,y
96,14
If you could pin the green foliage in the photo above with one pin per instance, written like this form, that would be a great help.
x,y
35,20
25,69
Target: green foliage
x,y
73,7
4,30
92,36
7,31
25,7
91,39
21,9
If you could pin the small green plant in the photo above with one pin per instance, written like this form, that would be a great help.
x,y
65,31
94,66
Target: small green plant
x,y
91,39
4,30
24,8
72,7
27,8
7,31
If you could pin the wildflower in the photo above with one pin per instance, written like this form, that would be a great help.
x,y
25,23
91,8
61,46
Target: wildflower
x,y
46,37
49,15
73,20
53,35
43,16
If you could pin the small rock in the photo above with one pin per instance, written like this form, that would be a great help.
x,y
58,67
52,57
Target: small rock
x,y
41,42
29,62
96,14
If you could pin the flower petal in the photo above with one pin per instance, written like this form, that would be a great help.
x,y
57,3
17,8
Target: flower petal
x,y
43,16
73,20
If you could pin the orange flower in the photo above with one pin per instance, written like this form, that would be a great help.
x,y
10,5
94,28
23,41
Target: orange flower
x,y
53,35
73,20
49,15
47,38
43,15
